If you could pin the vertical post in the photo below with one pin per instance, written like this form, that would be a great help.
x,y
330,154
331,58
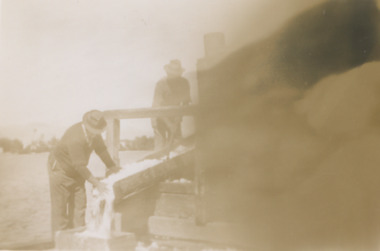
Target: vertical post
x,y
117,222
113,138
214,44
199,180
116,141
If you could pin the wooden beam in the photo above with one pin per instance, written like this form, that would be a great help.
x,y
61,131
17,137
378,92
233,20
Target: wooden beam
x,y
71,239
186,229
113,139
117,222
109,136
152,175
199,188
176,244
116,141
151,112
199,182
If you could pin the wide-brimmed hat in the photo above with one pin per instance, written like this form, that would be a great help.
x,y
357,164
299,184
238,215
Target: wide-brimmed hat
x,y
174,67
94,121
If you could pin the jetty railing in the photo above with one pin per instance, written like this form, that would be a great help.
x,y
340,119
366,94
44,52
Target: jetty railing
x,y
113,118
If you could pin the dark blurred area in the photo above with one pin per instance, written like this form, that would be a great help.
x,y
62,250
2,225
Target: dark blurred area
x,y
289,133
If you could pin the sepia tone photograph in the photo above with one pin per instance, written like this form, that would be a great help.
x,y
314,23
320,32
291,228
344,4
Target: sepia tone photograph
x,y
210,125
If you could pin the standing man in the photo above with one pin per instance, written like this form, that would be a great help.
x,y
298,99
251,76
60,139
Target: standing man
x,y
67,166
173,90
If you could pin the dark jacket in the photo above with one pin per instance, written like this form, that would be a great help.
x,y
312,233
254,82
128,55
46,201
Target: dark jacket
x,y
171,92
73,151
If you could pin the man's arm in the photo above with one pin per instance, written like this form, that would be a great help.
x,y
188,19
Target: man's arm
x,y
101,150
79,163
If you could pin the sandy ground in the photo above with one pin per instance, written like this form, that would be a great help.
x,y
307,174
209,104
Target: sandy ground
x,y
25,198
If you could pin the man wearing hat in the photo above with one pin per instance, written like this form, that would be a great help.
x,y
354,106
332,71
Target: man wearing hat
x,y
173,90
67,166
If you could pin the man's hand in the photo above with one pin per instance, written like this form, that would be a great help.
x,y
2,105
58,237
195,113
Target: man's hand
x,y
112,169
100,186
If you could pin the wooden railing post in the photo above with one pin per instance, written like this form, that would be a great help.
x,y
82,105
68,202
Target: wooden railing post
x,y
113,122
199,185
214,44
113,138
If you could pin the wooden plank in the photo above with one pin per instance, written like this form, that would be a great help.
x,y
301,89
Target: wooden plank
x,y
113,139
199,189
109,135
151,112
176,188
186,229
203,65
150,176
175,205
73,240
116,141
175,244
117,220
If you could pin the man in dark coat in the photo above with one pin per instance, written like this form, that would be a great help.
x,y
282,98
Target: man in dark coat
x,y
173,90
67,166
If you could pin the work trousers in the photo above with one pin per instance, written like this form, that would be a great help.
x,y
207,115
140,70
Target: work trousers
x,y
68,199
163,135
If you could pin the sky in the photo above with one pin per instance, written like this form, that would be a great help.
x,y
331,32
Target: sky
x,y
60,59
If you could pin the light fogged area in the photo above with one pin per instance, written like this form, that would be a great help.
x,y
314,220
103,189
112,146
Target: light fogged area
x,y
66,57
63,58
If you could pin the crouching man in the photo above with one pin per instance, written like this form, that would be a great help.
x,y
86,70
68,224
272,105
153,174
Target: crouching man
x,y
67,166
